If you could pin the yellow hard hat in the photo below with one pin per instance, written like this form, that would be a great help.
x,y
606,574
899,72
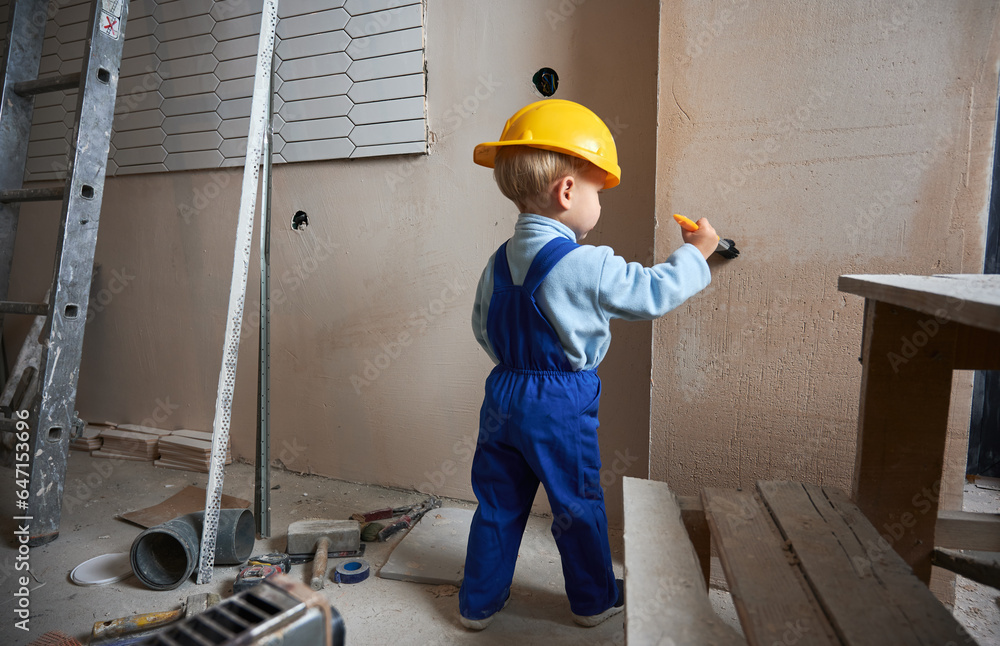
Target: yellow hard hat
x,y
562,126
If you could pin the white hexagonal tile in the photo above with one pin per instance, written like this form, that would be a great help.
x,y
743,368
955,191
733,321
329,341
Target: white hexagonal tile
x,y
237,48
139,46
140,9
133,120
200,25
390,133
359,7
189,85
137,156
314,45
317,150
180,9
413,148
312,23
316,87
385,21
190,104
139,138
72,33
198,122
235,128
386,111
139,65
236,88
395,87
71,51
234,108
193,142
314,66
194,160
385,44
190,66
331,106
193,46
237,28
228,9
316,129
137,27
72,15
395,65
236,68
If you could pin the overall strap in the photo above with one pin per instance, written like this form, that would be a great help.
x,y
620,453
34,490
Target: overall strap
x,y
545,260
501,270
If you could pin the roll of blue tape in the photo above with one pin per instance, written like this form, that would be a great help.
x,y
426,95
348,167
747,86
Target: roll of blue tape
x,y
352,571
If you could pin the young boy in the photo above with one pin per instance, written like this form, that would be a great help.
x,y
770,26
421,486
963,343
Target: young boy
x,y
542,313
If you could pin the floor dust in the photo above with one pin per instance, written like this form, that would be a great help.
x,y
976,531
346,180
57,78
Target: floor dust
x,y
376,611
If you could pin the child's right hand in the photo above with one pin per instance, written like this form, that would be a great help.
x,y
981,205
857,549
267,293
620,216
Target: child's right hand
x,y
705,238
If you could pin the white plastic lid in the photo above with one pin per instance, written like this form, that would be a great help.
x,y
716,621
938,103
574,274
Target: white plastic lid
x,y
103,569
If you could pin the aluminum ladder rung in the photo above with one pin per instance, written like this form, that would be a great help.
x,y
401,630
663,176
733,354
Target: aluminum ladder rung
x,y
47,84
54,193
31,309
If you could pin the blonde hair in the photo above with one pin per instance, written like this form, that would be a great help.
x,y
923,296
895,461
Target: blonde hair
x,y
524,173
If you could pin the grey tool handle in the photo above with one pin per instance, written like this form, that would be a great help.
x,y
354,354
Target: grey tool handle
x,y
319,563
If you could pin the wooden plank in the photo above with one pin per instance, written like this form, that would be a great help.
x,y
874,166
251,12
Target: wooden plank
x,y
902,426
663,580
973,299
966,530
771,596
834,563
693,515
933,622
981,567
976,348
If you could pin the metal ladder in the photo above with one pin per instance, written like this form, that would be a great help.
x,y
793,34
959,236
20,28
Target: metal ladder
x,y
52,407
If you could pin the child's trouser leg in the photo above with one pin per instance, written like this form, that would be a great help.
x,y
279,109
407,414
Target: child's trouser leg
x,y
564,453
505,488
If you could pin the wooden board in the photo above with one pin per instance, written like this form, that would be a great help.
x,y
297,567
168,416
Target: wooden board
x,y
933,622
769,591
837,567
973,299
966,530
982,567
667,601
902,427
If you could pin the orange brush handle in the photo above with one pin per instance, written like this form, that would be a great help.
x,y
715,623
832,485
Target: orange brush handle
x,y
686,223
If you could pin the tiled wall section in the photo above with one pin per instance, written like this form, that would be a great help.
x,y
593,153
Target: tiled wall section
x,y
349,83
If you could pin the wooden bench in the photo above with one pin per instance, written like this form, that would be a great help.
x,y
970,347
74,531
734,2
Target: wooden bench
x,y
803,565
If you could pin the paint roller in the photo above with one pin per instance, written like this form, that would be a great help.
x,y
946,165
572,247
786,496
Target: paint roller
x,y
726,249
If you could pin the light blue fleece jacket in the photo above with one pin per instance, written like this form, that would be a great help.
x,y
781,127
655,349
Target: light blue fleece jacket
x,y
589,287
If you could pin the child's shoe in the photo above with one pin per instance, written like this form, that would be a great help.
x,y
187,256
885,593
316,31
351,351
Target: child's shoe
x,y
592,620
479,624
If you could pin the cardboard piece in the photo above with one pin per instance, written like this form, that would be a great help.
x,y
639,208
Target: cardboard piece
x,y
434,550
188,500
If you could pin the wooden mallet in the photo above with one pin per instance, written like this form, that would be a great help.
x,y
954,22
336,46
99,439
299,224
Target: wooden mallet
x,y
321,538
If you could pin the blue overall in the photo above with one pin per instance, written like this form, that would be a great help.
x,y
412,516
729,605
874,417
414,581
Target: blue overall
x,y
538,423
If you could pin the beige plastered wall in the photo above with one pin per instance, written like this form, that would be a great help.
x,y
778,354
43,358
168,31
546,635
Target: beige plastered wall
x,y
826,138
375,374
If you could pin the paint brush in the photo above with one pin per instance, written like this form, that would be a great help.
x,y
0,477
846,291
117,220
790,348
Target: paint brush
x,y
726,249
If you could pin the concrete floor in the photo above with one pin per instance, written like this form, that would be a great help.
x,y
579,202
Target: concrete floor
x,y
376,611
